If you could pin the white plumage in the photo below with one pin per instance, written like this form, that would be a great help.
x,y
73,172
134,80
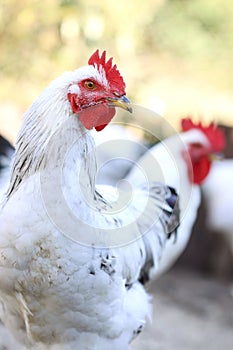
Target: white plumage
x,y
71,262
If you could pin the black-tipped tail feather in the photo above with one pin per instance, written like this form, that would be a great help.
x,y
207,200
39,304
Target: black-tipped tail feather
x,y
166,200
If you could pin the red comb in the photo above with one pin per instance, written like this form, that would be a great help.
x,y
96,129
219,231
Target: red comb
x,y
214,134
113,76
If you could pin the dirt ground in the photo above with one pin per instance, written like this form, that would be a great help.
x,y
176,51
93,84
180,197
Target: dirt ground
x,y
191,312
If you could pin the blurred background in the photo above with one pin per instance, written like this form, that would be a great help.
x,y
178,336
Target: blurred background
x,y
176,57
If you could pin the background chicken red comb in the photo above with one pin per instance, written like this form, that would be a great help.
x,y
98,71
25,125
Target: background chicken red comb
x,y
113,76
214,134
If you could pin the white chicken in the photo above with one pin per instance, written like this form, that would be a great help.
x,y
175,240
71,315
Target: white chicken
x,y
71,259
183,162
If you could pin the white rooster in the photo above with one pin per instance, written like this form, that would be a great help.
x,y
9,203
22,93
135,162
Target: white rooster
x,y
183,162
71,262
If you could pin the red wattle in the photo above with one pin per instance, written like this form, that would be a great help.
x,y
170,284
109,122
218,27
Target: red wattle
x,y
200,169
100,127
98,116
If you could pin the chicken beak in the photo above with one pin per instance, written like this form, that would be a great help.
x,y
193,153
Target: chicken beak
x,y
122,102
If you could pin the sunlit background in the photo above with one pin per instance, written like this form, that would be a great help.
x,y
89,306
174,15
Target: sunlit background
x,y
175,55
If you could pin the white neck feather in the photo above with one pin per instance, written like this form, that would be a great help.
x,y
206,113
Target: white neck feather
x,y
48,132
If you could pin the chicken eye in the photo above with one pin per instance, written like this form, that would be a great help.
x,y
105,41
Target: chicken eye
x,y
90,85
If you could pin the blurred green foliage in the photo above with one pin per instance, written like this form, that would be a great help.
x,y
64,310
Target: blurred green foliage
x,y
148,39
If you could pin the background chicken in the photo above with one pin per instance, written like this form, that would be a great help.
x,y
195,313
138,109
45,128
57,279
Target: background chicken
x,y
183,161
72,260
